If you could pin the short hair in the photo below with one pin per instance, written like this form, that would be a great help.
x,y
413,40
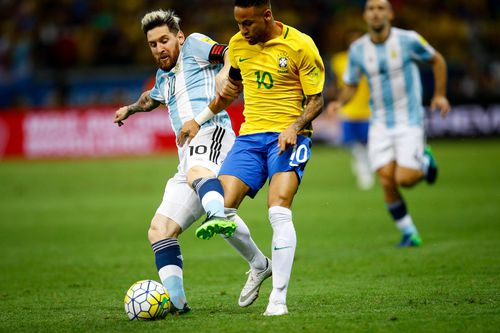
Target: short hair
x,y
158,18
252,3
387,1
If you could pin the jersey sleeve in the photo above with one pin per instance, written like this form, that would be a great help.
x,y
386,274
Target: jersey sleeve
x,y
203,47
311,68
420,48
352,74
157,92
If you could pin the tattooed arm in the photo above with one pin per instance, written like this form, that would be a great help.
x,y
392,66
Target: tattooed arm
x,y
144,104
288,138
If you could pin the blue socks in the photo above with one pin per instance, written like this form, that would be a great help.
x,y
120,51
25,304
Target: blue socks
x,y
400,215
211,195
169,264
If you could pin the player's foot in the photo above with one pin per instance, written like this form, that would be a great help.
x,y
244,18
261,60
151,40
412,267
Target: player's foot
x,y
216,225
365,181
432,170
410,240
276,309
250,291
184,310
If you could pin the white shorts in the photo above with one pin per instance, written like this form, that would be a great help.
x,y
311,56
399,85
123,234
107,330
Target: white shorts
x,y
207,149
402,144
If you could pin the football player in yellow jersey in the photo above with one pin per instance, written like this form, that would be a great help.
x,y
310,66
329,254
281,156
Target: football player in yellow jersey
x,y
282,76
354,116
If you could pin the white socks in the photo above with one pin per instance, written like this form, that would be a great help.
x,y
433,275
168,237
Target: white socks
x,y
283,250
405,225
243,243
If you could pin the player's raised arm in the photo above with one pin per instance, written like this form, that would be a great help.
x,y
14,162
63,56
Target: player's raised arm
x,y
144,104
314,106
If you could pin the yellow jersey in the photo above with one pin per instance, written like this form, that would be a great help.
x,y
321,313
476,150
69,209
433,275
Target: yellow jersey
x,y
358,107
277,75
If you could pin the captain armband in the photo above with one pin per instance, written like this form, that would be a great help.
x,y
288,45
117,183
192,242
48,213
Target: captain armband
x,y
216,55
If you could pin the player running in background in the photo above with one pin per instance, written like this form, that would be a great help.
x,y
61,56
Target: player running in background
x,y
354,116
396,141
282,75
185,82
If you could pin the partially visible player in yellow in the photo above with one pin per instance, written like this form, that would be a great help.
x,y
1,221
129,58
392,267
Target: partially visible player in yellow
x,y
282,76
354,116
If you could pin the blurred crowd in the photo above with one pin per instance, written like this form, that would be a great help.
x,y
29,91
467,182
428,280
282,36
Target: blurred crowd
x,y
45,43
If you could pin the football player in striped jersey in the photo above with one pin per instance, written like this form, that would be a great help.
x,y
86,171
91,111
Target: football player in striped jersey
x,y
388,57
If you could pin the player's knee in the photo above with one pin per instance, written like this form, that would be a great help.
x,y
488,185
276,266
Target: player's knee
x,y
160,229
155,233
407,179
281,199
197,174
405,182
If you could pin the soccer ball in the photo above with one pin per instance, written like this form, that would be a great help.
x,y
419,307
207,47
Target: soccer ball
x,y
146,300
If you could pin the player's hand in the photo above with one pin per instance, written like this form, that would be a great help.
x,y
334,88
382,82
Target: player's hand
x,y
221,79
227,88
440,103
333,108
287,139
120,115
187,132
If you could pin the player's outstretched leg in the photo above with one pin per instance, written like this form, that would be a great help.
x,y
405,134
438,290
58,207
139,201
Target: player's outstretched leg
x,y
169,264
430,168
211,196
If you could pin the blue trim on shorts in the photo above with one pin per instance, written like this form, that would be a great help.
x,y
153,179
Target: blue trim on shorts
x,y
354,131
254,158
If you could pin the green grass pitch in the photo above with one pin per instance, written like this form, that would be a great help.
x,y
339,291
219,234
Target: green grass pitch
x,y
73,239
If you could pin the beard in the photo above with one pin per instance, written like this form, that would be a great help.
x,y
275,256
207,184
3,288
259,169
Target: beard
x,y
165,64
378,28
169,59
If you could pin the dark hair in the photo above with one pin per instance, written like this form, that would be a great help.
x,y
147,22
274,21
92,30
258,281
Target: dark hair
x,y
159,18
252,3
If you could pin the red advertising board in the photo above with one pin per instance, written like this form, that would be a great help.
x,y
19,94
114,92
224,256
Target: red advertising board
x,y
87,132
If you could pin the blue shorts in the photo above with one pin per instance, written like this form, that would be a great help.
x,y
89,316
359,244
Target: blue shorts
x,y
354,131
254,159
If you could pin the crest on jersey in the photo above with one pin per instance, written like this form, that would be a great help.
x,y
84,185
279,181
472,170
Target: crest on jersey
x,y
283,63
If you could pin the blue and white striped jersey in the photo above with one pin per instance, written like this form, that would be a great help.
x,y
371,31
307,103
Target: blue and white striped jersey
x,y
393,75
190,86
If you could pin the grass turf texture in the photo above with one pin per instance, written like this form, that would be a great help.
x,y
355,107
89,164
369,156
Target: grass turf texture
x,y
73,239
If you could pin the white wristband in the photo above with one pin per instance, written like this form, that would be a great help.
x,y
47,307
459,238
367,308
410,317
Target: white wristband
x,y
204,116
